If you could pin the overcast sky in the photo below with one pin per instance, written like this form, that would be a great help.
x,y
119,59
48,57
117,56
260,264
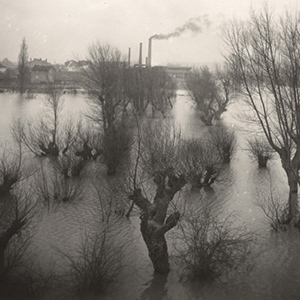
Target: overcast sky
x,y
60,30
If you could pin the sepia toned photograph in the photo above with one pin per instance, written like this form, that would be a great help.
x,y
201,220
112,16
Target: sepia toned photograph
x,y
149,150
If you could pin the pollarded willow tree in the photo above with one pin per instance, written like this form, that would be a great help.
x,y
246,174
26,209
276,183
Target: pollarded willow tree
x,y
150,87
161,90
163,156
210,91
51,134
104,80
265,55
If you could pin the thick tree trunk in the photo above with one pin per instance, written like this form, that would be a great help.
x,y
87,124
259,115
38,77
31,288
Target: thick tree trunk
x,y
2,265
220,111
207,120
111,169
15,227
293,194
157,246
291,168
157,289
154,220
262,161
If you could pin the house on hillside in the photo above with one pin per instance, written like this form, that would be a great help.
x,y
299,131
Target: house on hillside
x,y
8,64
42,74
38,62
76,66
72,65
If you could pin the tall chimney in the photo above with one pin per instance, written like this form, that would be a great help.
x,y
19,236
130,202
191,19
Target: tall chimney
x,y
141,54
129,54
149,52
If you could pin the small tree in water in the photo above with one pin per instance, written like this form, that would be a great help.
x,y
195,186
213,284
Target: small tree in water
x,y
211,92
206,247
49,135
225,142
260,151
147,87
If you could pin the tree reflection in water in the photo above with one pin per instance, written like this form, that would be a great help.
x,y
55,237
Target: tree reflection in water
x,y
157,289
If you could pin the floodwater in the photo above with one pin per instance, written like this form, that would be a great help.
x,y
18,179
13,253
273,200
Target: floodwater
x,y
275,271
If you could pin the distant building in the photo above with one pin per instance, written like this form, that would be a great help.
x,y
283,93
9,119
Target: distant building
x,y
2,68
42,74
8,64
75,66
38,62
67,78
178,72
72,65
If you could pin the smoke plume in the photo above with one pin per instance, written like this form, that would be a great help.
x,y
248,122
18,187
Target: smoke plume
x,y
194,25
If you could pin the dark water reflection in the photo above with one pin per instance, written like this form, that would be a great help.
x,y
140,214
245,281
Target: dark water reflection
x,y
275,273
156,289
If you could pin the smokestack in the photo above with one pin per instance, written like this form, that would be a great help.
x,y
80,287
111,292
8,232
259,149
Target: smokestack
x,y
129,54
149,52
141,54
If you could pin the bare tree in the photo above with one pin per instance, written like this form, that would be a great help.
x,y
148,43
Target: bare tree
x,y
150,87
136,89
104,81
272,206
15,215
87,142
23,68
210,92
13,169
99,256
225,141
161,90
225,83
52,189
202,162
265,52
162,155
207,247
50,135
260,151
159,157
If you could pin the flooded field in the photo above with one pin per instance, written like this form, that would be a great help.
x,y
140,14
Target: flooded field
x,y
275,271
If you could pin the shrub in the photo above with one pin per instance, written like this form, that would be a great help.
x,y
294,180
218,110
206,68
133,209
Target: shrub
x,y
16,213
260,151
273,208
225,142
208,248
50,134
12,169
25,280
52,189
97,263
69,165
202,162
211,91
